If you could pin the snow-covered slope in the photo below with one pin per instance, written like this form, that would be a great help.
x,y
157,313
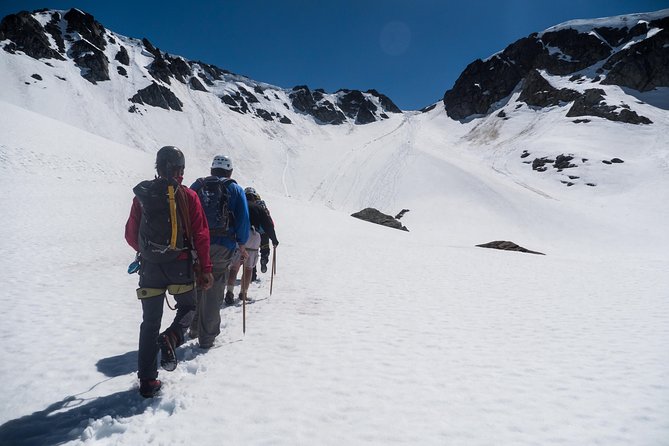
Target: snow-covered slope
x,y
372,336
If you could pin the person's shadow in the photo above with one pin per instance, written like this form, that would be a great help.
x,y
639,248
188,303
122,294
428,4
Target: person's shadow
x,y
118,365
66,420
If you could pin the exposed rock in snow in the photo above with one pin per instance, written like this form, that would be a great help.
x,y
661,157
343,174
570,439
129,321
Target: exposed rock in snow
x,y
508,246
28,35
157,96
375,216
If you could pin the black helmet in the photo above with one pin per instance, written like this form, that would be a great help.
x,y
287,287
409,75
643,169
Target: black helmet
x,y
168,160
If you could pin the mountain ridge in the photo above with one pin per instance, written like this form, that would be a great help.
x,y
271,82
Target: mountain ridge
x,y
626,51
302,141
76,36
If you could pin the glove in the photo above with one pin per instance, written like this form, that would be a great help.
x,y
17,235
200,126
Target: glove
x,y
275,243
207,281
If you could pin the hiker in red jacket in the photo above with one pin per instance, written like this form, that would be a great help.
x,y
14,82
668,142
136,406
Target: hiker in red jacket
x,y
166,225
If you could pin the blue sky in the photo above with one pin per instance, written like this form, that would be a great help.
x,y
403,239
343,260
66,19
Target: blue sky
x,y
411,50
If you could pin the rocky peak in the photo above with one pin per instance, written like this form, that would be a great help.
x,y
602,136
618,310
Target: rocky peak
x,y
629,51
316,105
26,34
87,27
78,38
360,107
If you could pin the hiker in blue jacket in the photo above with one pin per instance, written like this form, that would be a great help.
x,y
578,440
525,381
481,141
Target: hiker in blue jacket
x,y
261,223
225,206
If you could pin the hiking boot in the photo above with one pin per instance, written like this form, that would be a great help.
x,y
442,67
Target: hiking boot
x,y
263,266
148,388
168,357
254,276
229,298
242,297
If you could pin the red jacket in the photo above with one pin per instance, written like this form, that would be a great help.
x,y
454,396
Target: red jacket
x,y
199,228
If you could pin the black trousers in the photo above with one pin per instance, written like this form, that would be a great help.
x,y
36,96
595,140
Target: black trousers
x,y
162,276
264,247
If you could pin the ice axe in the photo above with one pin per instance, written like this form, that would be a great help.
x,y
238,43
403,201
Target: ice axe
x,y
271,282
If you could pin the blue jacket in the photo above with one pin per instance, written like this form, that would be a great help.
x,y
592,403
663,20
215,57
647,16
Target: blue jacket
x,y
239,231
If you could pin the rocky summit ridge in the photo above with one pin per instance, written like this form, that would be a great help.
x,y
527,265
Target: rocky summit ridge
x,y
570,65
77,37
573,65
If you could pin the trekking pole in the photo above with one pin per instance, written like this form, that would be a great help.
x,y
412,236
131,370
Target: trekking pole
x,y
271,282
244,300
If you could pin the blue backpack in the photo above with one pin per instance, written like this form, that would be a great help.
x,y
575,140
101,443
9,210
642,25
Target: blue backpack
x,y
215,200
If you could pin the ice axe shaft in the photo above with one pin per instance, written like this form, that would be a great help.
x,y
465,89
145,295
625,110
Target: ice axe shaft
x,y
271,282
244,274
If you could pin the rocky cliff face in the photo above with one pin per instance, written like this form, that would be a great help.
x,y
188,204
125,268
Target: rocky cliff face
x,y
76,37
628,51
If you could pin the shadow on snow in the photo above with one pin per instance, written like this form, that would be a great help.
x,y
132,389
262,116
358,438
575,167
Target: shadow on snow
x,y
118,365
66,420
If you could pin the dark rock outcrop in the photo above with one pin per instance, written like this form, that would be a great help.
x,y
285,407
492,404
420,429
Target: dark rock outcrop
x,y
482,84
87,27
150,48
93,62
212,72
195,84
375,216
401,213
122,56
179,68
387,104
576,51
563,162
264,114
356,106
250,97
164,67
538,92
160,70
205,79
539,164
157,96
315,105
236,102
508,246
592,103
27,34
640,65
53,28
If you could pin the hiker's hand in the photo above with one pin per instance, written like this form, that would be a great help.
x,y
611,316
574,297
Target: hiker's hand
x,y
207,281
243,254
275,244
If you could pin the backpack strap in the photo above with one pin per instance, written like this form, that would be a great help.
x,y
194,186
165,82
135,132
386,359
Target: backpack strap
x,y
184,211
173,215
228,181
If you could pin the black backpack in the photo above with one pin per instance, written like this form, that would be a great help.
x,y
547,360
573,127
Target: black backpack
x,y
161,230
215,200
